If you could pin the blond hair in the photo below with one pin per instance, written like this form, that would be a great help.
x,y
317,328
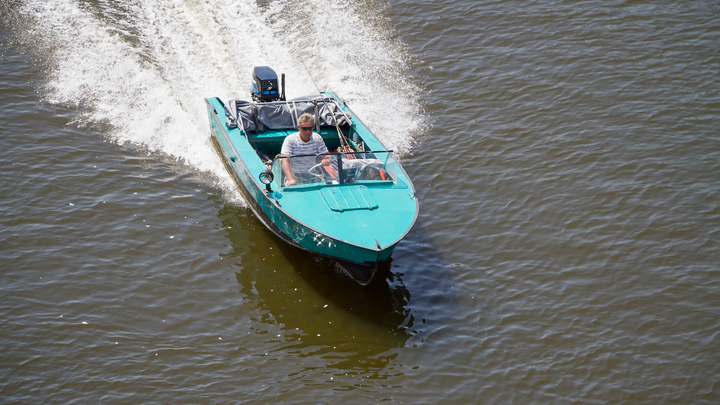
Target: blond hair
x,y
305,117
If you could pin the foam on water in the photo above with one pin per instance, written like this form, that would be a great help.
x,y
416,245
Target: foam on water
x,y
141,71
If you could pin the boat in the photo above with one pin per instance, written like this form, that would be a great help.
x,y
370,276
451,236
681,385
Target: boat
x,y
356,202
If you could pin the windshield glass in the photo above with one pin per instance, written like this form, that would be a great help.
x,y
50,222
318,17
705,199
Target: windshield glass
x,y
335,168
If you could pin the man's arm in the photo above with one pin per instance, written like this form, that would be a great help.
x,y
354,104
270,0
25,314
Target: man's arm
x,y
288,172
322,148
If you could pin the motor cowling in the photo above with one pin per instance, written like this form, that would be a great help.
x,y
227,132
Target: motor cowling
x,y
265,85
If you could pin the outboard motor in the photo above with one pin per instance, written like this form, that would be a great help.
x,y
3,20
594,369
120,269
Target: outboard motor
x,y
265,85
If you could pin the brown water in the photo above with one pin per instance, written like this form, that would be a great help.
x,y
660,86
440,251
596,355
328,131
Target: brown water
x,y
567,157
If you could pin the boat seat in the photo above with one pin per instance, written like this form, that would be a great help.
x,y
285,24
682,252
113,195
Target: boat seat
x,y
271,142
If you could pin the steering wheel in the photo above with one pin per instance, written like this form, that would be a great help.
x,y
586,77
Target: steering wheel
x,y
317,168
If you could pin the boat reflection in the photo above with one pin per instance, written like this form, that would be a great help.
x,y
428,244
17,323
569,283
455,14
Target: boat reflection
x,y
305,306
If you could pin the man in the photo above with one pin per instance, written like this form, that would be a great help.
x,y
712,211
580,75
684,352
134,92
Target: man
x,y
303,142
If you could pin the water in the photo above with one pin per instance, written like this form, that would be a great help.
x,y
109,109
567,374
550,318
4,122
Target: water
x,y
566,156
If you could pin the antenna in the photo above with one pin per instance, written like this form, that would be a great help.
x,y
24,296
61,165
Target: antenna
x,y
311,76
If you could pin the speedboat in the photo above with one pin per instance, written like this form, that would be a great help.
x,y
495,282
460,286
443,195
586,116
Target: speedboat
x,y
354,209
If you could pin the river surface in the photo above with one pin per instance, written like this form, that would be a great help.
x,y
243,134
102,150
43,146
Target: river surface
x,y
566,156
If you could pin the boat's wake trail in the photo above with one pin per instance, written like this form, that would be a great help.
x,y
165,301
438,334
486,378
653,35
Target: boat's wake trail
x,y
139,71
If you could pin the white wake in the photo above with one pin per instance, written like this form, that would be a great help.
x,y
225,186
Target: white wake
x,y
142,69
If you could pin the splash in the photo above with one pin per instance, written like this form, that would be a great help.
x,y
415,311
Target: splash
x,y
142,69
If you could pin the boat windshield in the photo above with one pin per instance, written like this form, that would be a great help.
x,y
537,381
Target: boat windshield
x,y
336,168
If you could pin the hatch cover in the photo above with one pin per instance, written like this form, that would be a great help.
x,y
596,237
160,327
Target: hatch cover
x,y
348,198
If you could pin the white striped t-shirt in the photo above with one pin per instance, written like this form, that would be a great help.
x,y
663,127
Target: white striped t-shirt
x,y
294,146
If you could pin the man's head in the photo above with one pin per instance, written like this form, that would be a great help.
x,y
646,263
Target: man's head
x,y
306,123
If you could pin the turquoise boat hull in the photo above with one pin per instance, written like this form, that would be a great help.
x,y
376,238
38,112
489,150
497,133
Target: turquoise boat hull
x,y
359,222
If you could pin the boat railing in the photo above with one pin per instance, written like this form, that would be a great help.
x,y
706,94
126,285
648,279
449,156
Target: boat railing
x,y
336,168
